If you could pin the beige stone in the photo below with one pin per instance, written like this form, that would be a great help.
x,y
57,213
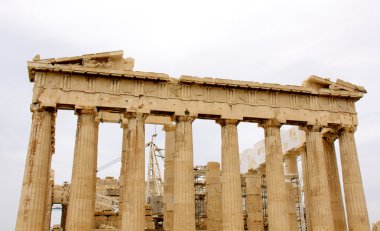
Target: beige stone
x,y
124,158
254,205
319,206
183,191
104,87
49,201
213,197
33,206
232,211
334,182
292,200
305,187
278,218
291,169
134,194
80,212
357,214
376,226
169,176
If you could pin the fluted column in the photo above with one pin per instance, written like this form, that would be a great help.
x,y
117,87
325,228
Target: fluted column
x,y
32,207
278,218
334,182
124,158
305,187
232,210
183,191
63,216
318,187
357,214
213,197
254,206
49,201
169,176
291,169
81,208
134,194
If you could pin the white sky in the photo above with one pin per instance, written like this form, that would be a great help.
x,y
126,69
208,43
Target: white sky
x,y
264,41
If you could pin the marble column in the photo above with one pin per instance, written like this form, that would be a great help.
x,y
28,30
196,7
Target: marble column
x,y
232,209
291,169
334,182
63,216
320,209
32,207
134,194
169,176
81,208
292,200
254,206
49,201
213,197
356,208
277,201
305,188
183,191
124,158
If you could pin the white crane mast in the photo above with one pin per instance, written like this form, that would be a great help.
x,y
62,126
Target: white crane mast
x,y
154,181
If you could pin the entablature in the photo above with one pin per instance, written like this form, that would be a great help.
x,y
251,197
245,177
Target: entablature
x,y
107,81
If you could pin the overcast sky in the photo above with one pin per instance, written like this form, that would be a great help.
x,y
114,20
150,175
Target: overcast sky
x,y
264,41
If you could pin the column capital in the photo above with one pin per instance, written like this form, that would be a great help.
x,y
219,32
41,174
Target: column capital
x,y
36,107
137,115
291,153
346,128
330,134
312,128
86,110
227,122
301,149
169,127
124,123
270,123
186,119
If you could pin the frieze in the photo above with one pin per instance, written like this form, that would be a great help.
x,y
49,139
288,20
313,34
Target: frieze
x,y
60,83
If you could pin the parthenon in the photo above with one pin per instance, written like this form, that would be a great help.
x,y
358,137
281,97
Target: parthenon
x,y
104,88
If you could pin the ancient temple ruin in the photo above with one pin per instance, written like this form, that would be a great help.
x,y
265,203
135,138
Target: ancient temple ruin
x,y
104,88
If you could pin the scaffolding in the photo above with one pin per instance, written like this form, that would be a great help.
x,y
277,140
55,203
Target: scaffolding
x,y
264,201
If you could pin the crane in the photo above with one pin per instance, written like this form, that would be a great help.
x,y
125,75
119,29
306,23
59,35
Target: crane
x,y
154,180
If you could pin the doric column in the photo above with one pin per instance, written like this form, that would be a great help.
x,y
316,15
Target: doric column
x,y
134,194
334,182
292,200
183,191
169,176
319,196
305,187
291,169
63,216
253,203
277,200
32,207
232,210
81,208
357,214
124,158
213,197
49,201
